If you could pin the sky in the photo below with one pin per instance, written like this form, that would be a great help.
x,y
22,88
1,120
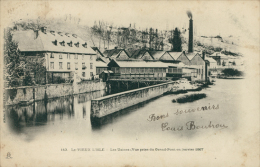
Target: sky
x,y
237,18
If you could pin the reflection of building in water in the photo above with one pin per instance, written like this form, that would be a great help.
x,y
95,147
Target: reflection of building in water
x,y
41,112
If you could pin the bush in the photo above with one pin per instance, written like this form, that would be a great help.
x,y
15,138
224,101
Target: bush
x,y
232,72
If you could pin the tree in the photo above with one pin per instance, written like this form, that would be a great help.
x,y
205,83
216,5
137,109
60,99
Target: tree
x,y
13,61
176,41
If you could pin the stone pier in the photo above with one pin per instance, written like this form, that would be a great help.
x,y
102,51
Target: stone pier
x,y
109,104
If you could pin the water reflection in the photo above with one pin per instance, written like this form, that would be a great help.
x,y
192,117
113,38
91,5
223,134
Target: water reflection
x,y
42,112
72,114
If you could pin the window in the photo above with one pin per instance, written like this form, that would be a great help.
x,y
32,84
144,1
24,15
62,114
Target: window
x,y
68,56
91,65
122,70
83,66
52,65
137,70
127,71
60,56
52,55
91,74
133,70
60,65
164,69
76,66
91,57
83,74
68,65
75,56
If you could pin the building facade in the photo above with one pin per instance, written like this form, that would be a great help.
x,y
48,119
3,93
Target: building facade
x,y
66,56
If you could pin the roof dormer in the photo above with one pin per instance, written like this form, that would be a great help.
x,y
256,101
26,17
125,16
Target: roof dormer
x,y
77,44
85,45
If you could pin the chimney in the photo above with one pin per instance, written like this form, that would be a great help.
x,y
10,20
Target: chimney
x,y
36,34
44,29
190,47
74,35
203,55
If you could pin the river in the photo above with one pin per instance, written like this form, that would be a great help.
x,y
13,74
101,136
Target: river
x,y
65,122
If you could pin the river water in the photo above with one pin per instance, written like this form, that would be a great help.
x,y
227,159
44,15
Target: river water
x,y
65,122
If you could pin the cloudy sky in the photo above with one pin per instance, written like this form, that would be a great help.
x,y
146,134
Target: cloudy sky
x,y
237,18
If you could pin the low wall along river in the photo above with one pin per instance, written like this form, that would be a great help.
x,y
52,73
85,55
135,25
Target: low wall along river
x,y
109,104
29,93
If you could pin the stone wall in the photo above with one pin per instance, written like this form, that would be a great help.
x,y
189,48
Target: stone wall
x,y
109,104
30,93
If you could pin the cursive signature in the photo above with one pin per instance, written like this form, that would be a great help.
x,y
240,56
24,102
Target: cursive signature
x,y
191,125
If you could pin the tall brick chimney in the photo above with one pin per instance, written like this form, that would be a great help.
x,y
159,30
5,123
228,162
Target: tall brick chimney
x,y
190,47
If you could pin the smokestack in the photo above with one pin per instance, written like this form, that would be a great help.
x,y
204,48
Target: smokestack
x,y
190,46
203,55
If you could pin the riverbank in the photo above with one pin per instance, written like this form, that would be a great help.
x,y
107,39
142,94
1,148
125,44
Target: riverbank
x,y
28,94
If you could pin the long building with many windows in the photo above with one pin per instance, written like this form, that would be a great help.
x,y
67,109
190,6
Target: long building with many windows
x,y
66,56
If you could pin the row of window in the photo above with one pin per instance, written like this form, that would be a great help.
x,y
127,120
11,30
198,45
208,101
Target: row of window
x,y
68,65
69,56
138,70
84,74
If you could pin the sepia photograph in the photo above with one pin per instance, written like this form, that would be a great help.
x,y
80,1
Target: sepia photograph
x,y
130,83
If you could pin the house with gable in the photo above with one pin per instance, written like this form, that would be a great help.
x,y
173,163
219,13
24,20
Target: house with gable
x,y
118,54
180,56
141,54
199,62
66,56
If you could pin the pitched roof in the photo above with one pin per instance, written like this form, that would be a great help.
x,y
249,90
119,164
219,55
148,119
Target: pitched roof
x,y
156,54
138,54
175,55
211,60
191,55
45,42
113,53
103,59
97,50
100,64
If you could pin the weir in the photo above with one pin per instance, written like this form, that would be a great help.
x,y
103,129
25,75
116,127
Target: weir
x,y
109,104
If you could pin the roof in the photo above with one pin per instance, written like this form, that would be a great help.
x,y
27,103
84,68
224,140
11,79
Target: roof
x,y
138,54
113,53
175,55
45,42
211,60
145,64
100,64
97,50
191,55
156,54
104,59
